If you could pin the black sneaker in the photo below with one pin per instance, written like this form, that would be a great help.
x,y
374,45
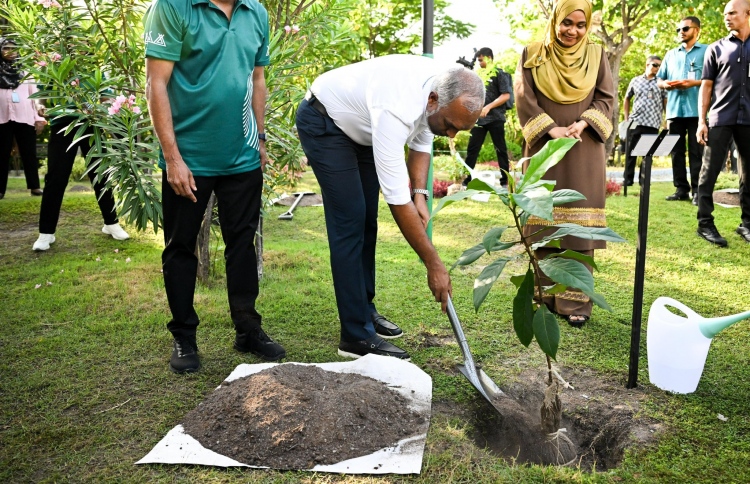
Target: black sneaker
x,y
385,328
184,355
678,196
711,234
258,343
374,345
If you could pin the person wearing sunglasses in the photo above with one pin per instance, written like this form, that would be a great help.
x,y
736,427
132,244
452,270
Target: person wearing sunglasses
x,y
680,75
647,110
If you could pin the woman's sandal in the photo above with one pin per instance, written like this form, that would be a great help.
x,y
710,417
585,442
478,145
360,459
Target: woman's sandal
x,y
579,322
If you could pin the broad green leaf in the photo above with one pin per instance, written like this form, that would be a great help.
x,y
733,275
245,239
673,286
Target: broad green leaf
x,y
477,184
486,279
569,272
556,289
492,238
560,197
470,255
550,155
523,309
572,254
548,185
517,280
589,233
547,331
524,218
451,199
503,246
598,299
540,206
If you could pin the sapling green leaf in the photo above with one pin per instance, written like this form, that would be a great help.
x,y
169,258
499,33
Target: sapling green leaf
x,y
539,204
546,331
523,309
451,199
470,255
560,197
492,237
486,279
572,254
569,272
546,158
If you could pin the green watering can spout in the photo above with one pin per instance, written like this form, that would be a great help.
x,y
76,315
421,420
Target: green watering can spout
x,y
710,327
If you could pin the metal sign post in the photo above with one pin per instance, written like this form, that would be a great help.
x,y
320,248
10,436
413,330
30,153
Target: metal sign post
x,y
428,16
648,146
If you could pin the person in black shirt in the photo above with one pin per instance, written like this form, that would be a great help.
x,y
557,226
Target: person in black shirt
x,y
498,91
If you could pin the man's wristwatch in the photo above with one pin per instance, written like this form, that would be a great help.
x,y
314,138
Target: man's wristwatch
x,y
262,136
420,190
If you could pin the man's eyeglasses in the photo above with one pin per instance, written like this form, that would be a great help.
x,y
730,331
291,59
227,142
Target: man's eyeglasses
x,y
685,28
654,65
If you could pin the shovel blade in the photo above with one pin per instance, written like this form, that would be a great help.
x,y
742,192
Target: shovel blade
x,y
482,382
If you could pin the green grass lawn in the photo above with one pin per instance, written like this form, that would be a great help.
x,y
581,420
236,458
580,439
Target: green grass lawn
x,y
85,390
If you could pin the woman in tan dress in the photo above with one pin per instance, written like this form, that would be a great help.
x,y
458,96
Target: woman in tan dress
x,y
564,89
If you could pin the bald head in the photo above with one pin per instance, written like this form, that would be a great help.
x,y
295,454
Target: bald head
x,y
736,16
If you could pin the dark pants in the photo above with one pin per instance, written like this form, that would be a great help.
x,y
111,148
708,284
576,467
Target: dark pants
x,y
685,128
630,161
238,198
25,136
60,159
714,159
497,133
349,183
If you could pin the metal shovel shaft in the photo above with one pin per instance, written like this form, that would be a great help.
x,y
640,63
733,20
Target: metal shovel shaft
x,y
477,377
288,215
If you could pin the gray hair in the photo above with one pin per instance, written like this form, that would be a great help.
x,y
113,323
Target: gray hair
x,y
456,82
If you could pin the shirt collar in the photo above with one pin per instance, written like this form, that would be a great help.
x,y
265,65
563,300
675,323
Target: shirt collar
x,y
247,3
697,45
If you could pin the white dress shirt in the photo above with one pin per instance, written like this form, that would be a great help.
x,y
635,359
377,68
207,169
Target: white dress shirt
x,y
381,103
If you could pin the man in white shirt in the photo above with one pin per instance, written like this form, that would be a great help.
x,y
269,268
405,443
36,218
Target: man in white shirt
x,y
353,126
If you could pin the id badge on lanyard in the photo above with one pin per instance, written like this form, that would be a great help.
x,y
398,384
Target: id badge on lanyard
x,y
15,97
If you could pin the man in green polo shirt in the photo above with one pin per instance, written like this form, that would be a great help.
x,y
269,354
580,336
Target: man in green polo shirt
x,y
206,93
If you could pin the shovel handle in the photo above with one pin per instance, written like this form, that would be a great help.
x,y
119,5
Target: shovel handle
x,y
459,333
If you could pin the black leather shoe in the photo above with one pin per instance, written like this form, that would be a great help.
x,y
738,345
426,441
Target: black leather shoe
x,y
712,235
184,355
695,199
744,232
258,343
374,345
385,328
678,196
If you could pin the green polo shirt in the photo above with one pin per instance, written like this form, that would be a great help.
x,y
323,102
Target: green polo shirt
x,y
211,88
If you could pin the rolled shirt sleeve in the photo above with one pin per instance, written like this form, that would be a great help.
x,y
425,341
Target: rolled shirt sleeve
x,y
263,57
389,135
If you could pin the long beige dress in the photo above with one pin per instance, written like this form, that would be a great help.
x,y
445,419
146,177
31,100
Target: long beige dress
x,y
583,168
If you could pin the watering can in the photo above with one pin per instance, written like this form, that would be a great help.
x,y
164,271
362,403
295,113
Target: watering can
x,y
678,346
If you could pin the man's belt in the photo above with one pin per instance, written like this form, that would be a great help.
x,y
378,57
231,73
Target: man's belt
x,y
315,103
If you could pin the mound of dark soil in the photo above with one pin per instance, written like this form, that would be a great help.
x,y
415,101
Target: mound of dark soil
x,y
727,198
298,416
307,200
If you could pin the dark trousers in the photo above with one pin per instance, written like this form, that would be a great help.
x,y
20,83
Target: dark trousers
x,y
630,161
714,159
685,128
60,158
239,199
349,183
497,133
25,136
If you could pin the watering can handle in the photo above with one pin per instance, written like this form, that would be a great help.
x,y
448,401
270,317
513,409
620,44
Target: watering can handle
x,y
668,301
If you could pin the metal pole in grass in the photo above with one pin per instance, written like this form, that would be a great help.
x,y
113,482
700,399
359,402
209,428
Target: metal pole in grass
x,y
640,261
428,14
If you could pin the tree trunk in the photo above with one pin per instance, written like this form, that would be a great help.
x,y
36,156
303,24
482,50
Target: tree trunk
x,y
204,242
259,247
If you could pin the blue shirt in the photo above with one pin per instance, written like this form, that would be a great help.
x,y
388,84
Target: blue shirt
x,y
211,88
678,65
727,64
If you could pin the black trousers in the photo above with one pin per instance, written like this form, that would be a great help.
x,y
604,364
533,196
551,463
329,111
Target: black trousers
x,y
714,159
349,183
239,199
25,136
685,128
630,161
60,158
478,135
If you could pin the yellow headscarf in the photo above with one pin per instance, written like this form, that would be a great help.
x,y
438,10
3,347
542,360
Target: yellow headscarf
x,y
565,74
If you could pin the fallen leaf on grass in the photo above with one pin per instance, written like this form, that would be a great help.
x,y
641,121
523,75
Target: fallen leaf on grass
x,y
722,417
37,286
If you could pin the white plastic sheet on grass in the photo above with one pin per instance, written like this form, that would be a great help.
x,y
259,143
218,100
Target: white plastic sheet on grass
x,y
405,458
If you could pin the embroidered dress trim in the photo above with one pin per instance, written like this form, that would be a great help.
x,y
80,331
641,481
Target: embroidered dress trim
x,y
571,296
536,125
600,120
586,217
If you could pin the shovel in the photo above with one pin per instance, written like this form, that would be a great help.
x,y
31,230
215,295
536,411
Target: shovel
x,y
476,376
288,215
678,346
